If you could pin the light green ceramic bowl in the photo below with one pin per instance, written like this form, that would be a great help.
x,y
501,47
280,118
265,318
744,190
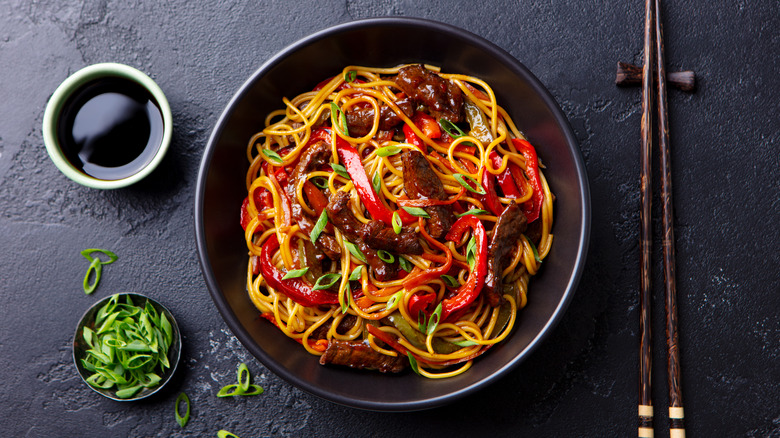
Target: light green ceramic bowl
x,y
72,84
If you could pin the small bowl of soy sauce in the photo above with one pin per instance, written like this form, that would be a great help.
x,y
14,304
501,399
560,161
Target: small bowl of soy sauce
x,y
107,126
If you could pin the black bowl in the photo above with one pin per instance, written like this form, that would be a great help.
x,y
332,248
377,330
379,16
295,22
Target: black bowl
x,y
387,42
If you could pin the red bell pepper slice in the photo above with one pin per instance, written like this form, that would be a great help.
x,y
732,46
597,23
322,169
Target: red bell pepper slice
x,y
411,282
263,200
427,124
490,198
414,140
350,157
470,291
533,207
420,302
294,288
505,178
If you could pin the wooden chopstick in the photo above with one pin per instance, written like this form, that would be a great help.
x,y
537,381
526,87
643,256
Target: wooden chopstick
x,y
645,234
676,416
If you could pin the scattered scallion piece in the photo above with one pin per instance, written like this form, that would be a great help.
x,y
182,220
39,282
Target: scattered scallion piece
x,y
182,420
385,256
319,226
356,273
355,251
376,182
96,265
450,280
388,151
397,224
339,169
273,156
394,300
128,346
461,178
295,273
451,129
416,211
474,211
243,385
422,321
345,302
405,264
471,252
350,76
433,321
535,251
320,182
413,363
225,434
326,281
338,119
464,343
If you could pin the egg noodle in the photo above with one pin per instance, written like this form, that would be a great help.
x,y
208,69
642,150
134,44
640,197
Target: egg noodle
x,y
437,345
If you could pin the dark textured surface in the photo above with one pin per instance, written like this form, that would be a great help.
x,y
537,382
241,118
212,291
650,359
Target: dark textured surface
x,y
582,382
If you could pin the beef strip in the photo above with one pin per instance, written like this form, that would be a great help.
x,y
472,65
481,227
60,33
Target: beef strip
x,y
420,182
360,119
359,355
510,226
377,235
342,218
313,157
442,98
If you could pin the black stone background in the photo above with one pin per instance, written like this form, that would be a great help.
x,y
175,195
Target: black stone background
x,y
582,382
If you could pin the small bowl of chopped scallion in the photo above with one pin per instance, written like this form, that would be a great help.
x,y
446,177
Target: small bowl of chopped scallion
x,y
127,346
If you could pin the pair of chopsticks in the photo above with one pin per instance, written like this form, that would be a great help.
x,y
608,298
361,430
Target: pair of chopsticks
x,y
654,33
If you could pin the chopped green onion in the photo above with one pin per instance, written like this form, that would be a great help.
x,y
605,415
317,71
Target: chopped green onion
x,y
273,156
295,273
461,178
355,251
474,211
397,224
376,182
339,169
96,265
385,256
319,226
182,419
535,251
350,76
471,251
405,264
422,321
413,363
356,273
242,375
388,151
338,121
345,302
326,281
451,129
395,299
416,211
225,434
450,280
128,392
464,343
231,390
243,385
433,322
320,182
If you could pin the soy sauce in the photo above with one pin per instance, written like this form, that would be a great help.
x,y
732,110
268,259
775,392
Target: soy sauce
x,y
110,128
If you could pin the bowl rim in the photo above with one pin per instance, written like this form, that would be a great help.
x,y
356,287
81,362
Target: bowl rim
x,y
583,196
73,83
177,342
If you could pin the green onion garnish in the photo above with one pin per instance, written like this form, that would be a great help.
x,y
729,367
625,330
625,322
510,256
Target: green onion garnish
x,y
376,182
350,76
395,299
388,151
413,363
451,129
225,434
243,385
319,226
385,256
326,281
295,273
339,169
464,343
356,273
416,211
182,420
96,265
273,156
405,264
320,182
450,281
339,122
345,303
474,211
422,321
355,251
461,178
397,224
471,251
535,251
433,322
